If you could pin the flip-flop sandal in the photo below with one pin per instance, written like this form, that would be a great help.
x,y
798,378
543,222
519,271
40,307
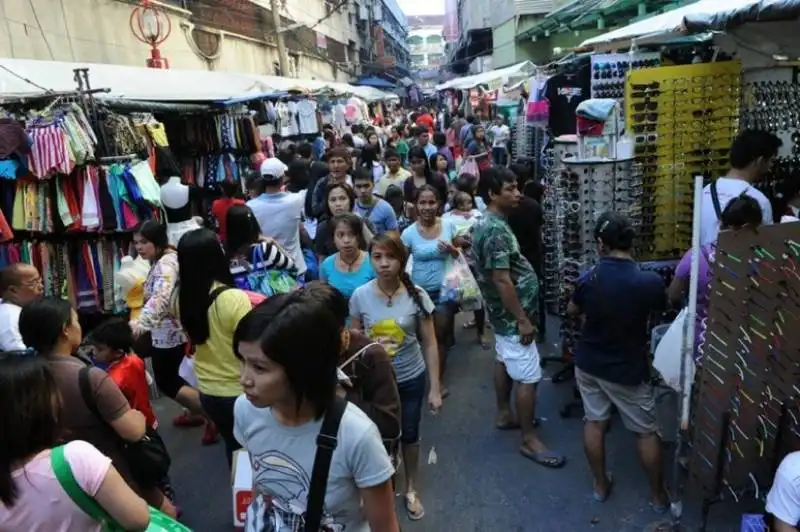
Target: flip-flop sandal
x,y
603,498
549,459
469,325
660,510
485,344
411,499
508,425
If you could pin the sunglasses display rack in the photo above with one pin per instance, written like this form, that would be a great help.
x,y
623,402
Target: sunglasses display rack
x,y
771,102
745,413
589,188
553,208
609,71
683,120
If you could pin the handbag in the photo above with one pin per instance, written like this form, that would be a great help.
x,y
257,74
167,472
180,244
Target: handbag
x,y
159,521
327,440
147,458
265,281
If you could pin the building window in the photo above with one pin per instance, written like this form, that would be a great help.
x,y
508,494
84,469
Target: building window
x,y
434,39
415,39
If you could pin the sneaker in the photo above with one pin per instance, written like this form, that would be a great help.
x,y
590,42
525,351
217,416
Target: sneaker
x,y
211,435
187,419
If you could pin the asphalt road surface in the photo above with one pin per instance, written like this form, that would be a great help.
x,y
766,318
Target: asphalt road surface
x,y
480,483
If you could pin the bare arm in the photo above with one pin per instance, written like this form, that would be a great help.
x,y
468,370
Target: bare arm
x,y
379,508
780,526
430,350
677,290
130,426
121,502
508,294
355,323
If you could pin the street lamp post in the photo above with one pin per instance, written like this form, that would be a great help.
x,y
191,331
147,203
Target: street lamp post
x,y
152,26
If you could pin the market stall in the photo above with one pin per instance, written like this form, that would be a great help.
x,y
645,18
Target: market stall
x,y
680,117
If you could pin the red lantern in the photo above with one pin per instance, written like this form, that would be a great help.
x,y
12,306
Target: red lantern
x,y
151,25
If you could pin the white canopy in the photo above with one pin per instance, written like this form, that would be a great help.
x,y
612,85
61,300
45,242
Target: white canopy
x,y
24,77
501,75
126,82
674,23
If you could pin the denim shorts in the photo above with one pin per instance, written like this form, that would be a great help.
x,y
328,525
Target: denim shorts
x,y
439,307
412,397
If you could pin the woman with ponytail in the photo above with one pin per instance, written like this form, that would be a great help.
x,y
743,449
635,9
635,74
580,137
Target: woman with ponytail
x,y
399,315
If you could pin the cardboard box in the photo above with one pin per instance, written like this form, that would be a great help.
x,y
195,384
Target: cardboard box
x,y
242,484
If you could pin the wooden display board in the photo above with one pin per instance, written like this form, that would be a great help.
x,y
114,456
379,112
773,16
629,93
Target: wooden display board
x,y
745,408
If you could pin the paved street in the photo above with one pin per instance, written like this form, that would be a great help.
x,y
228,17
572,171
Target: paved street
x,y
480,483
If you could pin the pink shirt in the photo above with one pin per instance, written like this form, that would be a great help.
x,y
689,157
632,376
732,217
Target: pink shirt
x,y
43,505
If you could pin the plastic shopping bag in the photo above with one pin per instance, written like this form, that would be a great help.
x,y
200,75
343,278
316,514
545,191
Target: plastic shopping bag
x,y
186,372
470,166
667,360
459,285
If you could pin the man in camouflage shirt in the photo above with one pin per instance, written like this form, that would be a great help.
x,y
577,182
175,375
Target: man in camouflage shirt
x,y
511,291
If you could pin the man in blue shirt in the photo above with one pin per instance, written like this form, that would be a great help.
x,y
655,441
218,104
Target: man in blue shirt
x,y
425,142
279,214
616,299
378,212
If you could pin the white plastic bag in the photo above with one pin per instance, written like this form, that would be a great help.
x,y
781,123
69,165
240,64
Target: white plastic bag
x,y
186,371
459,285
667,359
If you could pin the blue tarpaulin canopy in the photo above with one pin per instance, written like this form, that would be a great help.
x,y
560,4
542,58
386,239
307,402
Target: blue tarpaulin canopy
x,y
376,82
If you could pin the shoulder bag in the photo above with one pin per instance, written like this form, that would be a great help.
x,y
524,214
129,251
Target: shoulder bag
x,y
159,521
147,458
327,440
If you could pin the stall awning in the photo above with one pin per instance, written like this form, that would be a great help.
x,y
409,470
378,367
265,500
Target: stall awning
x,y
702,16
25,77
501,75
376,82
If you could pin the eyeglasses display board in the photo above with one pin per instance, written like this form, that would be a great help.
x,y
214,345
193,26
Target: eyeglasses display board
x,y
588,189
683,120
553,209
746,393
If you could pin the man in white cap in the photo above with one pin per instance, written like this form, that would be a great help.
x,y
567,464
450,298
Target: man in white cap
x,y
279,213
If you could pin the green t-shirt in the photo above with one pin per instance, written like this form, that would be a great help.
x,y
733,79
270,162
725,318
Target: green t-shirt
x,y
402,148
496,248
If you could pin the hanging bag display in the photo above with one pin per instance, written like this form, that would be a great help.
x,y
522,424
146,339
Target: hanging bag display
x,y
148,458
327,440
159,521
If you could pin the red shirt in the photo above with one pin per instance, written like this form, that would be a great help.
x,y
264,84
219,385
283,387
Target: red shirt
x,y
219,208
426,120
129,374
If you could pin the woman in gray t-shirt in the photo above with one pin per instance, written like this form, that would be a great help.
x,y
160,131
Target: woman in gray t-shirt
x,y
398,314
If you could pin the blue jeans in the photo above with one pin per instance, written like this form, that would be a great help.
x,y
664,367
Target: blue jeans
x,y
500,156
412,397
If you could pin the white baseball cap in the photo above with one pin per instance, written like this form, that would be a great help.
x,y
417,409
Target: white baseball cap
x,y
273,168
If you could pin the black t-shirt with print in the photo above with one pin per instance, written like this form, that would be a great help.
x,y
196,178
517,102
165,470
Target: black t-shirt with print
x,y
564,92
